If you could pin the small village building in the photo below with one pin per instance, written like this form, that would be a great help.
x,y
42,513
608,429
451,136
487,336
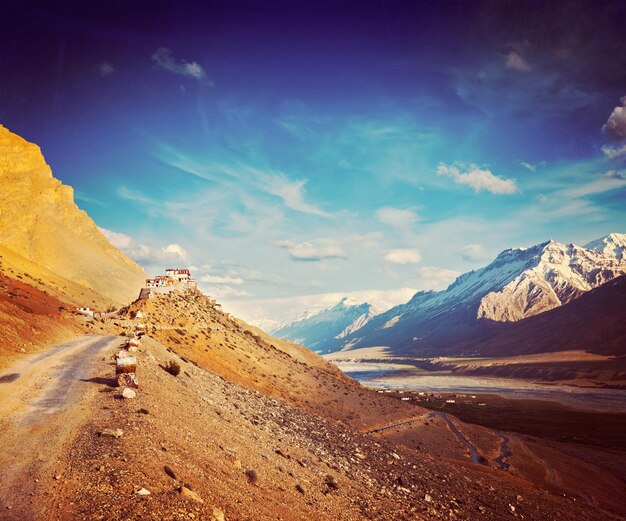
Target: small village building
x,y
178,279
85,311
179,275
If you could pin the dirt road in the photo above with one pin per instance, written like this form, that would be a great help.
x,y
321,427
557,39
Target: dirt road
x,y
43,399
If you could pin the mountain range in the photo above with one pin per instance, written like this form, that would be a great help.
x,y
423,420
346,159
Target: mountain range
x,y
519,284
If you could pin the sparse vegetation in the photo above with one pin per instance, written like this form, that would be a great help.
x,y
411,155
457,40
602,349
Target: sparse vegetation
x,y
252,476
172,367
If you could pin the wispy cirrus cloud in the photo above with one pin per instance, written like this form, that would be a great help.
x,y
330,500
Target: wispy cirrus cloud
x,y
164,59
478,179
604,183
240,176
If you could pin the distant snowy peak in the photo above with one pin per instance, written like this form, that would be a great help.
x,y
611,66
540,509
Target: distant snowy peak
x,y
348,302
553,274
267,325
316,330
613,245
363,319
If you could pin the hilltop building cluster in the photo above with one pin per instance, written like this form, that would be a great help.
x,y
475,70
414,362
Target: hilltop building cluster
x,y
175,279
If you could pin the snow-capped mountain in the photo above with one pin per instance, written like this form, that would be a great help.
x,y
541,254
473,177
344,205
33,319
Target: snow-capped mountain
x,y
613,245
319,330
519,283
267,324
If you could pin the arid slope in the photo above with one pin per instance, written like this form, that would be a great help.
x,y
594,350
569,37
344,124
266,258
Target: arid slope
x,y
30,320
191,326
248,456
40,224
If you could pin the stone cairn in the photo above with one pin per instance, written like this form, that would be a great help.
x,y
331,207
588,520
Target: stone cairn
x,y
126,364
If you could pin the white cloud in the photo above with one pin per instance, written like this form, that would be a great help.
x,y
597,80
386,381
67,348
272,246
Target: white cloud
x,y
472,252
145,254
126,244
176,250
105,69
615,152
164,59
221,291
478,179
403,256
432,277
306,251
515,61
529,166
397,217
615,126
216,279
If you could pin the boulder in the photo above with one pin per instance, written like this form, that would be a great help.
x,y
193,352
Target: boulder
x,y
129,394
127,380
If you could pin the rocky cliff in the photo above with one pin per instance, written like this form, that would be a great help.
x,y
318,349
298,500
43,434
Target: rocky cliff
x,y
40,224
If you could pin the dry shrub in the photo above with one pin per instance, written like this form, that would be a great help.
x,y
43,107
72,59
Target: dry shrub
x,y
172,367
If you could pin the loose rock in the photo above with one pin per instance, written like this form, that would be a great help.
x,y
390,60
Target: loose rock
x,y
112,433
218,515
190,494
129,394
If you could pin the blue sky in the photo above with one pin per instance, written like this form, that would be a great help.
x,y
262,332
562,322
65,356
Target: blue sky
x,y
295,152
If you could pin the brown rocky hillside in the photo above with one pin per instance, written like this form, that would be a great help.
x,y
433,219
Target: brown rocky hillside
x,y
30,319
190,325
201,447
43,233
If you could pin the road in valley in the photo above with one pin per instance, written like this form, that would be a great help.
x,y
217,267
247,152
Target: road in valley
x,y
43,399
